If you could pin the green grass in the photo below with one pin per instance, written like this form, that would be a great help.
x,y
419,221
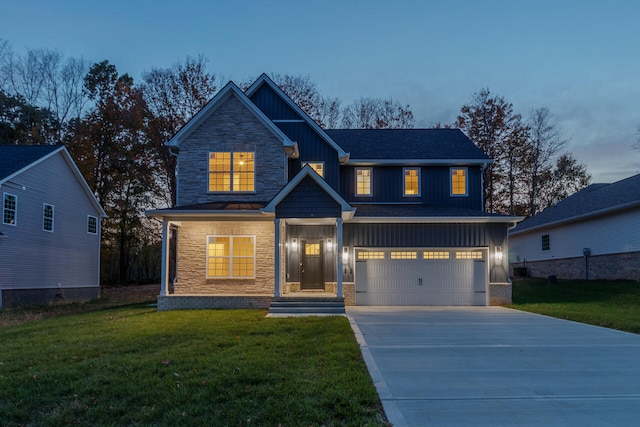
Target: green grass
x,y
132,365
612,304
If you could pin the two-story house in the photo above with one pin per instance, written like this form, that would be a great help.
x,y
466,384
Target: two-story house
x,y
270,206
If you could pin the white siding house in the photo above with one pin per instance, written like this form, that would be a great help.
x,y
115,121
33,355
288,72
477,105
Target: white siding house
x,y
50,228
593,234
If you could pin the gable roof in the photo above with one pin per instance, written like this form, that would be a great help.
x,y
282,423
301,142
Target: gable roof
x,y
409,146
15,159
347,210
594,200
343,156
230,89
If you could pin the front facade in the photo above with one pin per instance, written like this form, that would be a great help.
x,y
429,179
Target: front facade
x,y
269,205
49,228
593,234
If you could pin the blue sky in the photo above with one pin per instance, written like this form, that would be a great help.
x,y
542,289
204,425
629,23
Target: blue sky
x,y
578,58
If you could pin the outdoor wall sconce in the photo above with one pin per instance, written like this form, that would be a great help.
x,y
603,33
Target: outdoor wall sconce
x,y
499,253
345,254
294,244
329,244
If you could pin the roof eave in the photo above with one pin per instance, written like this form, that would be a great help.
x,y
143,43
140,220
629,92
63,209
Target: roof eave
x,y
440,219
424,162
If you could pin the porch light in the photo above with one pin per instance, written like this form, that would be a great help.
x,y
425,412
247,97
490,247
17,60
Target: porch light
x,y
499,253
345,254
294,243
329,244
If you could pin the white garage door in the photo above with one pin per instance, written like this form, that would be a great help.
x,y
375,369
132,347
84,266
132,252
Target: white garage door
x,y
421,277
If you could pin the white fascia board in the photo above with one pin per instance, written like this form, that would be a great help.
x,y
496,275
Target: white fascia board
x,y
577,218
227,91
200,215
416,162
439,220
264,79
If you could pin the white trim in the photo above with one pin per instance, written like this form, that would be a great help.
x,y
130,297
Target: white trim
x,y
231,172
97,225
404,182
231,256
44,207
15,209
419,162
355,193
439,219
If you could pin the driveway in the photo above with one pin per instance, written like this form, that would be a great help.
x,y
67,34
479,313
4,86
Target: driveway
x,y
492,366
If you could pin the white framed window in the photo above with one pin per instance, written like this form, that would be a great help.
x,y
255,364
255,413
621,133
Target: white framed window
x,y
47,217
318,167
232,172
459,186
411,182
10,209
92,224
231,257
363,181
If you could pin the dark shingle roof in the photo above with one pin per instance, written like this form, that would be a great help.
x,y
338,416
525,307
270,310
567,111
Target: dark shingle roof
x,y
15,157
590,200
375,144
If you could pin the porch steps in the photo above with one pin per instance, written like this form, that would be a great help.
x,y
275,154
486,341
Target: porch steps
x,y
307,306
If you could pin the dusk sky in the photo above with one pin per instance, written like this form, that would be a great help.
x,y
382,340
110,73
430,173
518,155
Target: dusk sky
x,y
578,58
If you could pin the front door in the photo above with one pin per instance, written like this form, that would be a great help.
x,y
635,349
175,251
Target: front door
x,y
312,265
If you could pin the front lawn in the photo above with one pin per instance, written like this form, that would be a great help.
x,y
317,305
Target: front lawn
x,y
131,365
612,304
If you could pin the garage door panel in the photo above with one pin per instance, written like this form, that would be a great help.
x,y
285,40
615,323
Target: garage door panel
x,y
421,282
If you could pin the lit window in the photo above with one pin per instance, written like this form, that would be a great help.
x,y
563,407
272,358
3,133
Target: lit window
x,y
404,255
469,255
435,255
312,248
546,243
231,256
10,206
47,217
458,181
363,181
92,224
318,167
411,182
370,255
231,171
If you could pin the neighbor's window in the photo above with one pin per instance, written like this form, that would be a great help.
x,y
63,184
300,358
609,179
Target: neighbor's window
x,y
363,181
231,256
411,182
232,171
47,217
10,206
318,167
92,224
458,181
546,243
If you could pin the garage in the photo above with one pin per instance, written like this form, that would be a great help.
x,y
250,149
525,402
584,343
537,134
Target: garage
x,y
425,276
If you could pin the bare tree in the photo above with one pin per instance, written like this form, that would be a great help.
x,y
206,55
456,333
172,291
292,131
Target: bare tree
x,y
545,143
565,178
374,113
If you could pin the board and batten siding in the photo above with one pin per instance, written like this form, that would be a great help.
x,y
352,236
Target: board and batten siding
x,y
232,127
68,257
611,234
308,200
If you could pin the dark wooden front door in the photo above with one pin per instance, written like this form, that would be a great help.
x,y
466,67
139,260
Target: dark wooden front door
x,y
312,265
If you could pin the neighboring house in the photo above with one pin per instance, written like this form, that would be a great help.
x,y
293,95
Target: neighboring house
x,y
49,228
593,234
271,206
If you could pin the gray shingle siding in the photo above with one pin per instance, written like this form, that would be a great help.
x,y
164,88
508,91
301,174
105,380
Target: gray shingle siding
x,y
232,127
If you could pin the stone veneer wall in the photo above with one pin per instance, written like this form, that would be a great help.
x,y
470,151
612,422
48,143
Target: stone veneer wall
x,y
192,261
625,266
500,293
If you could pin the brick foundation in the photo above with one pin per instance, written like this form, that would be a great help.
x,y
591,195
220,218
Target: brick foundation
x,y
625,266
500,293
201,302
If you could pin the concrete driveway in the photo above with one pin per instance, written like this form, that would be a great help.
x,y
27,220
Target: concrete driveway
x,y
492,366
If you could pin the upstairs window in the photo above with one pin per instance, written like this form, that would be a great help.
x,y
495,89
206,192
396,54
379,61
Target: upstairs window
x,y
47,217
318,167
411,185
363,181
459,182
546,243
231,172
9,209
92,224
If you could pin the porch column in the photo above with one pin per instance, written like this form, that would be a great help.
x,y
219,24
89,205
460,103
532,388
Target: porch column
x,y
276,292
164,269
339,252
